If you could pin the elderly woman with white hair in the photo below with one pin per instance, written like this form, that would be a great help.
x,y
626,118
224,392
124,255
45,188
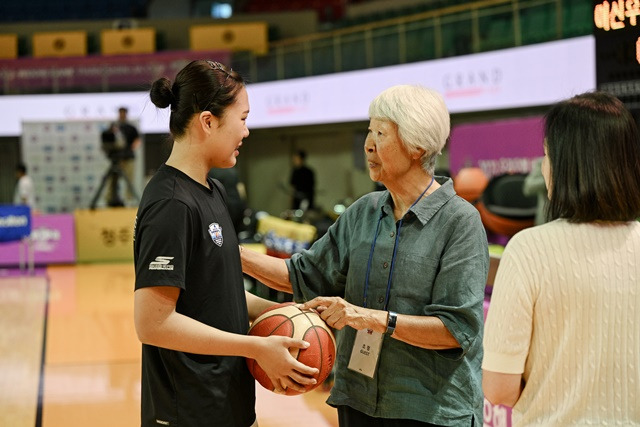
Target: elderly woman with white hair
x,y
401,276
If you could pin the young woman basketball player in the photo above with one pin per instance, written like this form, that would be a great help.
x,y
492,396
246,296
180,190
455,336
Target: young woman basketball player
x,y
191,310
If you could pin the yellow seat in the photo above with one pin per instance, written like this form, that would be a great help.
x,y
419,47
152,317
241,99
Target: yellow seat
x,y
128,41
234,37
282,237
8,46
59,44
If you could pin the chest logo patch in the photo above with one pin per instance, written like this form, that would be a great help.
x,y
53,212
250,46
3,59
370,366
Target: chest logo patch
x,y
215,231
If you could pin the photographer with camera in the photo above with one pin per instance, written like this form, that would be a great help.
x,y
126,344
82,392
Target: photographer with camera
x,y
119,142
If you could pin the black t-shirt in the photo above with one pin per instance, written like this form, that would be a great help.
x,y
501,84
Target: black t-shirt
x,y
184,237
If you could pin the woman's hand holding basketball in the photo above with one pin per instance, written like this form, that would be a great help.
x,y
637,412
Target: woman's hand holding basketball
x,y
298,352
281,367
338,313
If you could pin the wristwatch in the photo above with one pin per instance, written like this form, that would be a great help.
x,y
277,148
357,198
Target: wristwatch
x,y
392,318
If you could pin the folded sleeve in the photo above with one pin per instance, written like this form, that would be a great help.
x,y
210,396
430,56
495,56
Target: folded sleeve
x,y
458,291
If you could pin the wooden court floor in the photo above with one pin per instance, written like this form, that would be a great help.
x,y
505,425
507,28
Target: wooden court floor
x,y
69,355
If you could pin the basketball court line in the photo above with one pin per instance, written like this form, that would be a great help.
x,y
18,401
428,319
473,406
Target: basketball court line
x,y
42,357
23,309
92,365
69,355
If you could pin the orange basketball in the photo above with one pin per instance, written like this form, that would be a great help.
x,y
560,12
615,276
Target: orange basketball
x,y
288,320
469,183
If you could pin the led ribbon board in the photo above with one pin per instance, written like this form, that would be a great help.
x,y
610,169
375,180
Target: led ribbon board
x,y
617,33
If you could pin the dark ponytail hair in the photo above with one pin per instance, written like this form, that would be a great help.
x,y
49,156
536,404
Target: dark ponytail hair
x,y
200,86
593,144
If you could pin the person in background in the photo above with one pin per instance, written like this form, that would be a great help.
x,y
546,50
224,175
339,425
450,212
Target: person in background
x,y
25,191
191,310
236,196
563,328
132,142
401,275
127,139
302,182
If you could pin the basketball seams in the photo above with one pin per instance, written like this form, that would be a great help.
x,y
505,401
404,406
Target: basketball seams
x,y
322,372
313,328
293,320
257,322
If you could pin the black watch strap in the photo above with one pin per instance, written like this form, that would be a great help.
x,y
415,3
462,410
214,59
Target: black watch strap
x,y
392,318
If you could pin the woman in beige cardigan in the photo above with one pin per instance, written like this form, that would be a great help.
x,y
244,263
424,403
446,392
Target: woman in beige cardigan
x,y
563,330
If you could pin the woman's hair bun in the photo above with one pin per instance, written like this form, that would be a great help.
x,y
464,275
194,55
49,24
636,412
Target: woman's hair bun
x,y
161,94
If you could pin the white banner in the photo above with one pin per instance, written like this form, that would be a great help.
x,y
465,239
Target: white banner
x,y
527,76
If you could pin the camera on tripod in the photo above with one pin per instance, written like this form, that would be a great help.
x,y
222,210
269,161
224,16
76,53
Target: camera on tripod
x,y
113,143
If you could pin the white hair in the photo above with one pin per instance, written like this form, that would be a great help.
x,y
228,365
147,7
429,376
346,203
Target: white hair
x,y
421,116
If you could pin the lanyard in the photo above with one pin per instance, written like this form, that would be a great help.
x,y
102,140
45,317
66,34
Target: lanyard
x,y
395,251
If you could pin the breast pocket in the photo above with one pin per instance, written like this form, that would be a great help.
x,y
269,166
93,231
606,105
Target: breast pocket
x,y
411,289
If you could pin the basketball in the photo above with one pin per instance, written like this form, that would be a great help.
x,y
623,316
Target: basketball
x,y
288,320
469,183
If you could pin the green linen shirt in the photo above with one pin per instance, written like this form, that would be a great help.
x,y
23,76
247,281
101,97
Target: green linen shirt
x,y
440,270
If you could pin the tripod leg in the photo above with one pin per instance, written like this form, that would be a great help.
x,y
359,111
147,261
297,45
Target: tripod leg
x,y
117,170
103,183
130,186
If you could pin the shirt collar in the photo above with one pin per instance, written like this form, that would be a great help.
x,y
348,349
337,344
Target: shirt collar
x,y
178,172
426,208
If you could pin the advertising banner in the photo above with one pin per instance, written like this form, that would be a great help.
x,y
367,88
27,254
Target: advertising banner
x,y
96,71
105,235
52,240
496,415
497,147
526,76
15,222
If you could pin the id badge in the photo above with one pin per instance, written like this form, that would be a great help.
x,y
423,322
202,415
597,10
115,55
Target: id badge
x,y
366,352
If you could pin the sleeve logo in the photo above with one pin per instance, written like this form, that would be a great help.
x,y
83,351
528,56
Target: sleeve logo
x,y
161,263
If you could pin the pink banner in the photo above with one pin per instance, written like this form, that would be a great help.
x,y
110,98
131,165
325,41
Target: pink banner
x,y
95,71
53,239
505,146
496,415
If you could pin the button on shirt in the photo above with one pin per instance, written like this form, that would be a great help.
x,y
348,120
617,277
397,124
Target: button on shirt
x,y
440,270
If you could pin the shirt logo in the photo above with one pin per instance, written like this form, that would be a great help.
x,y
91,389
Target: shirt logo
x,y
216,233
161,263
